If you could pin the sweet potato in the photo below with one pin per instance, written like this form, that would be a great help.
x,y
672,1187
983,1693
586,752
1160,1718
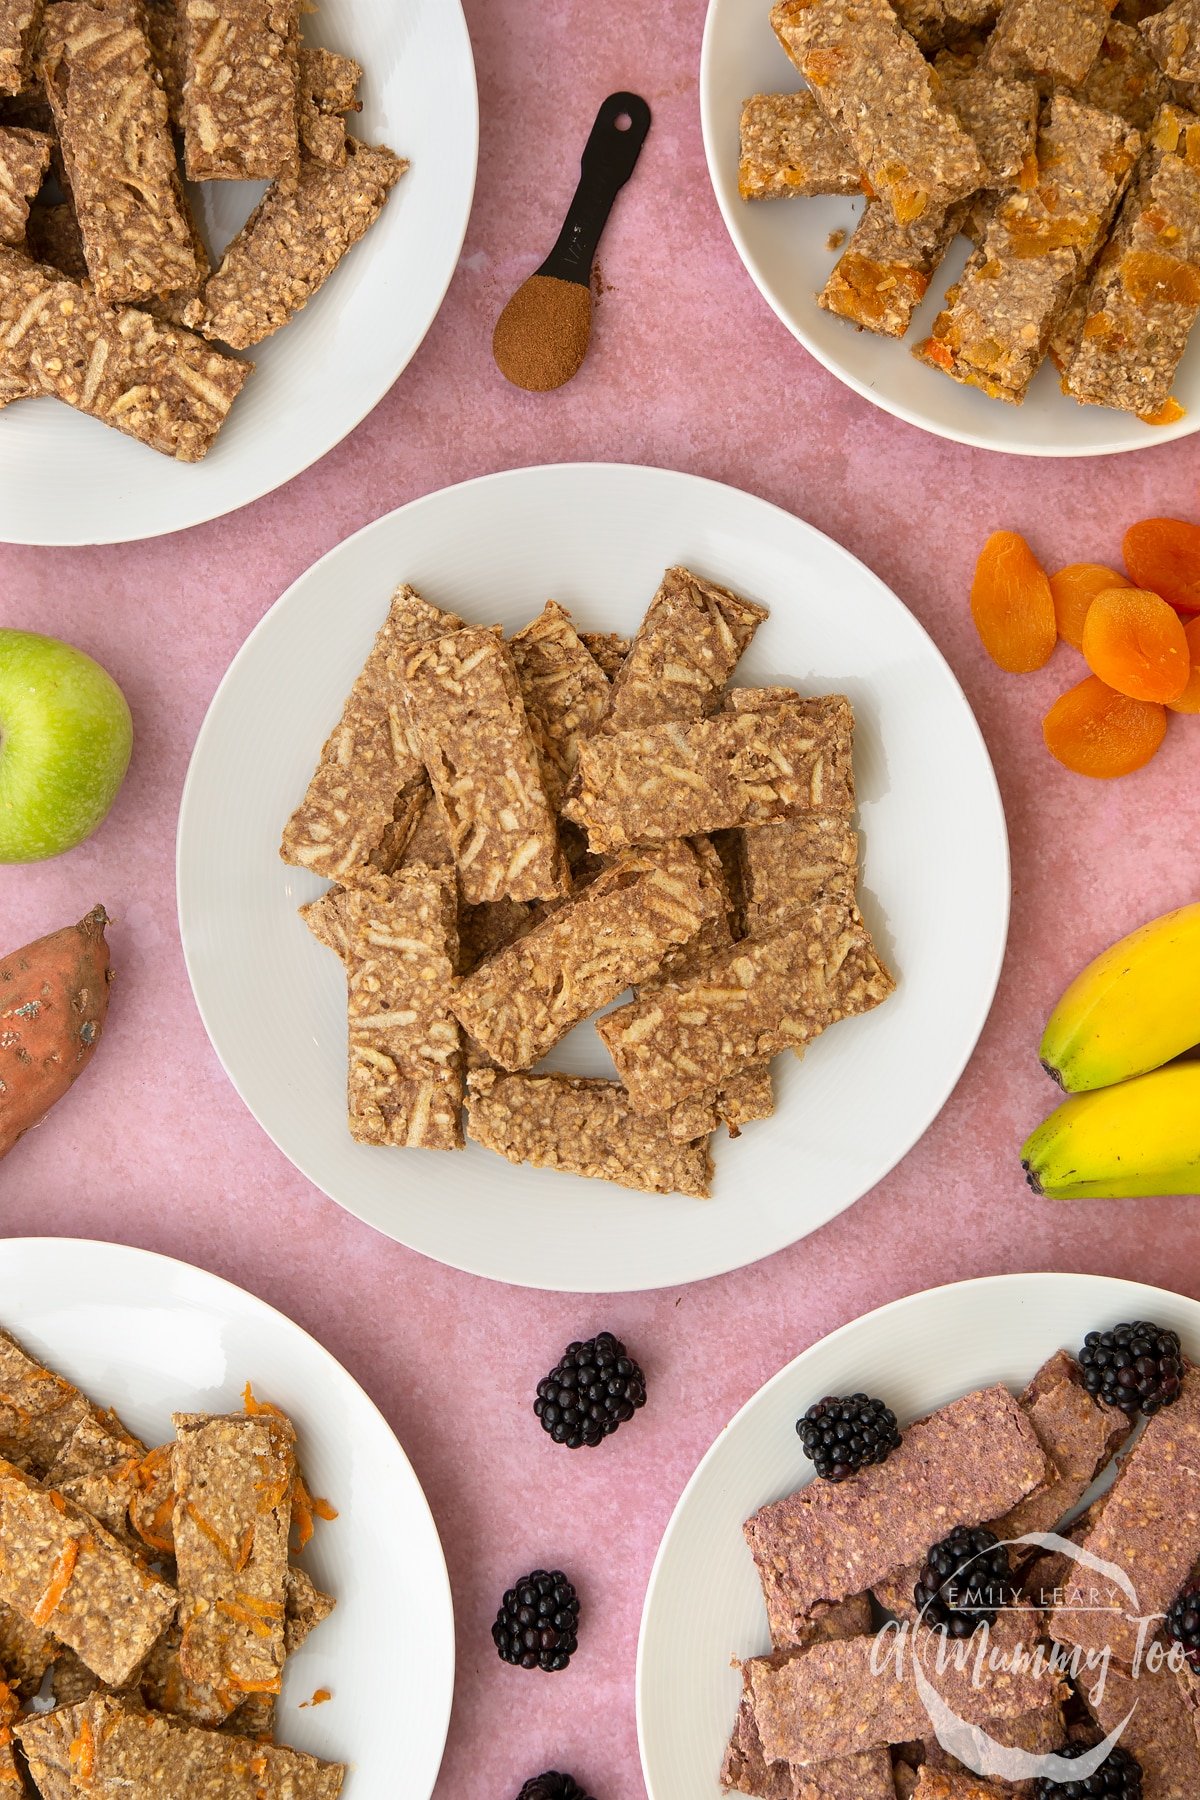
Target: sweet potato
x,y
53,1002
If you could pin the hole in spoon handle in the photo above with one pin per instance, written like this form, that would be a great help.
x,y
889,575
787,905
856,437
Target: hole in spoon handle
x,y
609,157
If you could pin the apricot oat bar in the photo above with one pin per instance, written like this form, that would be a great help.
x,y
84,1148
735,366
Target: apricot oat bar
x,y
1145,296
108,1748
293,241
743,1004
115,137
613,934
469,722
685,650
240,91
884,272
1173,38
564,689
24,159
935,23
582,1126
18,28
405,1082
877,89
154,382
1057,40
328,91
681,779
1125,78
366,762
789,147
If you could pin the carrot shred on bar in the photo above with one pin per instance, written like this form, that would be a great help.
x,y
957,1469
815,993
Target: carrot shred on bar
x,y
83,1752
60,1581
210,1531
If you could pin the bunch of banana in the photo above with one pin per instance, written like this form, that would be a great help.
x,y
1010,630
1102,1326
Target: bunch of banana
x,y
1132,1125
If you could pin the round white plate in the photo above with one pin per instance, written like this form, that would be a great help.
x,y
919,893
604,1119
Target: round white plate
x,y
783,244
704,1604
151,1336
65,479
597,537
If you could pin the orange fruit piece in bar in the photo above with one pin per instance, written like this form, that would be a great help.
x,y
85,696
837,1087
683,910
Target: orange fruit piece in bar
x,y
1074,588
1012,604
1095,731
1163,555
1189,700
1135,642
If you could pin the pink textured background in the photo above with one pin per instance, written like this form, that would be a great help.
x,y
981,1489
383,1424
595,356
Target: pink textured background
x,y
689,369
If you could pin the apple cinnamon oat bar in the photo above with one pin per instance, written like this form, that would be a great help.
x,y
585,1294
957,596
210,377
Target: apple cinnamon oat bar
x,y
328,91
684,652
154,382
293,241
564,689
789,147
367,762
786,868
115,136
240,91
52,237
469,722
681,779
18,27
608,647
24,159
582,1126
405,1082
877,89
743,1098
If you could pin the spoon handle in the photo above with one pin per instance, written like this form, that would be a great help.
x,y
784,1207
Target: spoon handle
x,y
607,163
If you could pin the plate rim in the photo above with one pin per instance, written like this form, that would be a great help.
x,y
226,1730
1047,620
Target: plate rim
x,y
1034,1278
109,1247
570,1283
208,514
711,130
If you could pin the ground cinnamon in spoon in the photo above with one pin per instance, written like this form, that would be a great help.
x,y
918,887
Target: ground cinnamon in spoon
x,y
542,335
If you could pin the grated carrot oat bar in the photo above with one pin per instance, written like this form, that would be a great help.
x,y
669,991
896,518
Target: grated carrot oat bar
x,y
368,772
18,27
328,91
405,1083
743,1004
24,159
1058,40
154,382
293,241
115,136
877,89
582,1126
97,1468
39,1410
564,689
685,650
612,935
680,779
789,147
240,91
469,721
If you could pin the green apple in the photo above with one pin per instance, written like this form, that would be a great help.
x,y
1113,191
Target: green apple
x,y
65,739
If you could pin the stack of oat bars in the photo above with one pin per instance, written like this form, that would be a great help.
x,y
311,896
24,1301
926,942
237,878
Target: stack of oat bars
x,y
1060,136
108,298
519,831
148,1598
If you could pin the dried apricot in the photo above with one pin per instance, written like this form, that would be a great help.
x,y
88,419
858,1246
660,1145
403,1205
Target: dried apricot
x,y
1134,641
1074,588
1163,555
1093,730
1012,605
1189,700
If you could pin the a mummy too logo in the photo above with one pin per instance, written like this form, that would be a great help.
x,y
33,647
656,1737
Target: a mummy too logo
x,y
976,1636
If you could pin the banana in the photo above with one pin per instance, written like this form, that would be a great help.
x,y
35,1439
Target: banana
x,y
1133,1009
1132,1141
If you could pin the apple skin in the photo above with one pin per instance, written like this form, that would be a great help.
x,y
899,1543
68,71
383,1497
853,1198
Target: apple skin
x,y
65,741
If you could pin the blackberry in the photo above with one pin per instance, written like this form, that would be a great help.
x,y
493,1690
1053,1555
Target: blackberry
x,y
593,1388
1183,1622
1119,1777
1138,1367
552,1786
965,1581
843,1433
538,1623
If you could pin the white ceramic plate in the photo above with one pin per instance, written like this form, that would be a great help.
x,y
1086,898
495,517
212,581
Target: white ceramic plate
x,y
151,1336
783,244
65,479
597,537
704,1603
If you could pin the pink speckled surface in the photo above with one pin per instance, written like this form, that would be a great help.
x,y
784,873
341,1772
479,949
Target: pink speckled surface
x,y
689,369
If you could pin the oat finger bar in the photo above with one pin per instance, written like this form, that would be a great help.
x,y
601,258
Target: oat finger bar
x,y
935,23
564,689
469,722
117,149
293,241
1161,1732
18,27
328,91
52,237
26,1652
884,272
24,159
745,1097
39,1410
367,761
1057,40
743,1004
679,780
240,91
877,89
154,382
942,1784
62,1571
1173,39
1125,79
608,647
163,20
786,868
1079,1434
582,1126
405,1080
97,1468
685,650
788,147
